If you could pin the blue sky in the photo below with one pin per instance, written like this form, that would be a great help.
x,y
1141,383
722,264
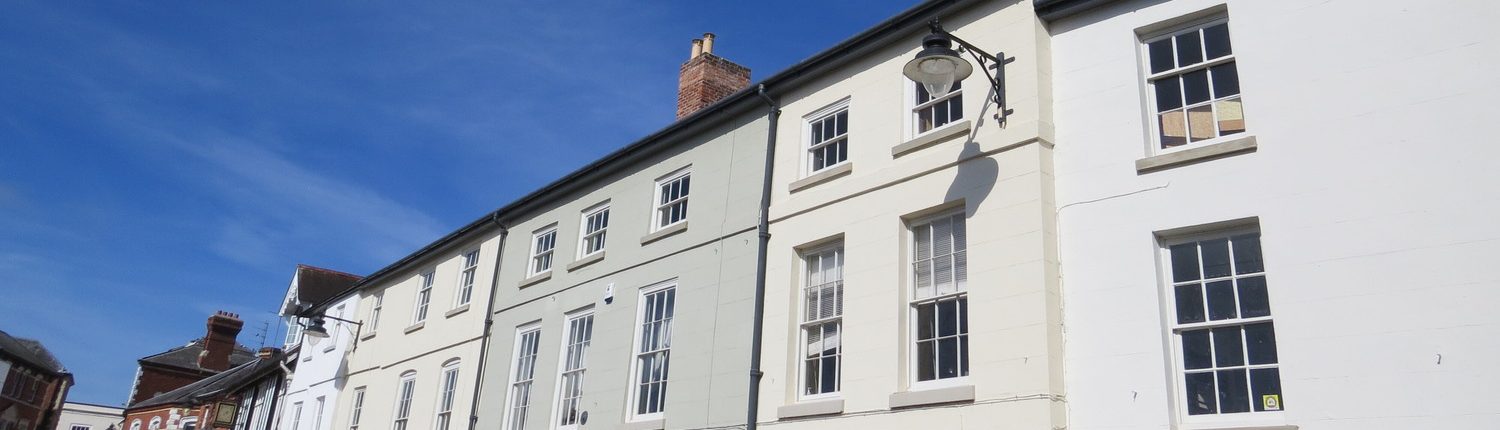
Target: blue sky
x,y
163,160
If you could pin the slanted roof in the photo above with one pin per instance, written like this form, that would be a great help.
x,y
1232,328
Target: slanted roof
x,y
316,284
31,352
186,356
212,386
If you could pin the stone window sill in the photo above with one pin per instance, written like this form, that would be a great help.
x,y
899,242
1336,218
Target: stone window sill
x,y
1244,144
367,336
456,311
1221,426
415,327
591,259
906,399
933,137
534,279
822,176
810,409
656,424
668,231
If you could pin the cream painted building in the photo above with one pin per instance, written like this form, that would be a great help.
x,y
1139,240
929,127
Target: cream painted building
x,y
84,416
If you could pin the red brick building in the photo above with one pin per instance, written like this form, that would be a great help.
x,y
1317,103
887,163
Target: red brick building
x,y
33,385
242,397
175,368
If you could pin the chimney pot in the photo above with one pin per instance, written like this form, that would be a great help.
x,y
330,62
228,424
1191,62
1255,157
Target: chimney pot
x,y
708,43
697,48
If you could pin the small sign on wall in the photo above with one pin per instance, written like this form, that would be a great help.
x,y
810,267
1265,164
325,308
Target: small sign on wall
x,y
224,414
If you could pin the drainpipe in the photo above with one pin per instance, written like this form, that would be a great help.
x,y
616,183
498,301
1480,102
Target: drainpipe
x,y
489,320
764,231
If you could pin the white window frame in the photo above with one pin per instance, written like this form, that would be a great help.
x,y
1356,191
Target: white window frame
x,y
809,146
357,408
296,416
582,341
636,354
318,413
538,255
515,386
960,293
405,389
338,328
424,296
80,427
187,423
155,424
585,236
804,325
136,424
447,395
1153,114
1174,331
657,206
379,302
468,270
912,124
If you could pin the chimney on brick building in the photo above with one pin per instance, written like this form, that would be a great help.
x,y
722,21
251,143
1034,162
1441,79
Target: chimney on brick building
x,y
707,78
219,343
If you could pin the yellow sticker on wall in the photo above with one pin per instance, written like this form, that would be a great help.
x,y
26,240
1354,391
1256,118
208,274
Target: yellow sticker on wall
x,y
1271,402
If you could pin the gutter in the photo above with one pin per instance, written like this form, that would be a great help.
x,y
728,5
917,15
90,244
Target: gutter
x,y
1049,10
489,321
763,227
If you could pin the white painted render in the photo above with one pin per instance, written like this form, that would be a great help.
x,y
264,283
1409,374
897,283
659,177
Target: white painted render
x,y
320,369
94,417
1374,193
711,262
999,176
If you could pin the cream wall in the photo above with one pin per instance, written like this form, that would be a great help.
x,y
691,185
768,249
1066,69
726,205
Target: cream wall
x,y
1372,186
94,416
999,175
396,346
712,263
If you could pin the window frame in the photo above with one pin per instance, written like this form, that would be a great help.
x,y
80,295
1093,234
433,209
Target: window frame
x,y
803,325
447,395
424,296
584,235
656,195
405,390
508,416
536,252
468,271
356,407
1173,330
912,121
961,292
564,358
809,146
1153,114
633,381
379,303
318,412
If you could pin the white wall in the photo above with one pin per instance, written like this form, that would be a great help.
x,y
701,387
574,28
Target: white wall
x,y
1372,184
94,416
320,369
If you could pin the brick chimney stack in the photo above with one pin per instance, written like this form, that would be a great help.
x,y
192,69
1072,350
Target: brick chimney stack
x,y
218,344
707,78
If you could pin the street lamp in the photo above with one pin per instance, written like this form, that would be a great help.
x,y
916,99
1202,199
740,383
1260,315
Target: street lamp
x,y
937,66
315,331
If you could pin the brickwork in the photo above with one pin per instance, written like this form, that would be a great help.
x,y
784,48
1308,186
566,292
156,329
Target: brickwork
x,y
708,78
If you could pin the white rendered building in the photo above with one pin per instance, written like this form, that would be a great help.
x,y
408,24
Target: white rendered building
x,y
313,388
84,416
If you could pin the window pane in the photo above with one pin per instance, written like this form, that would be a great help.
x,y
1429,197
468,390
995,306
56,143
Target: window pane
x,y
1196,352
925,323
1231,116
924,361
947,313
1260,339
830,374
1215,258
948,358
1226,80
810,386
1168,93
1185,262
1201,122
1189,303
1263,383
1227,348
1188,49
1253,300
1221,300
1234,391
1195,86
1161,55
843,123
1216,41
963,316
1201,398
1247,253
1173,127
